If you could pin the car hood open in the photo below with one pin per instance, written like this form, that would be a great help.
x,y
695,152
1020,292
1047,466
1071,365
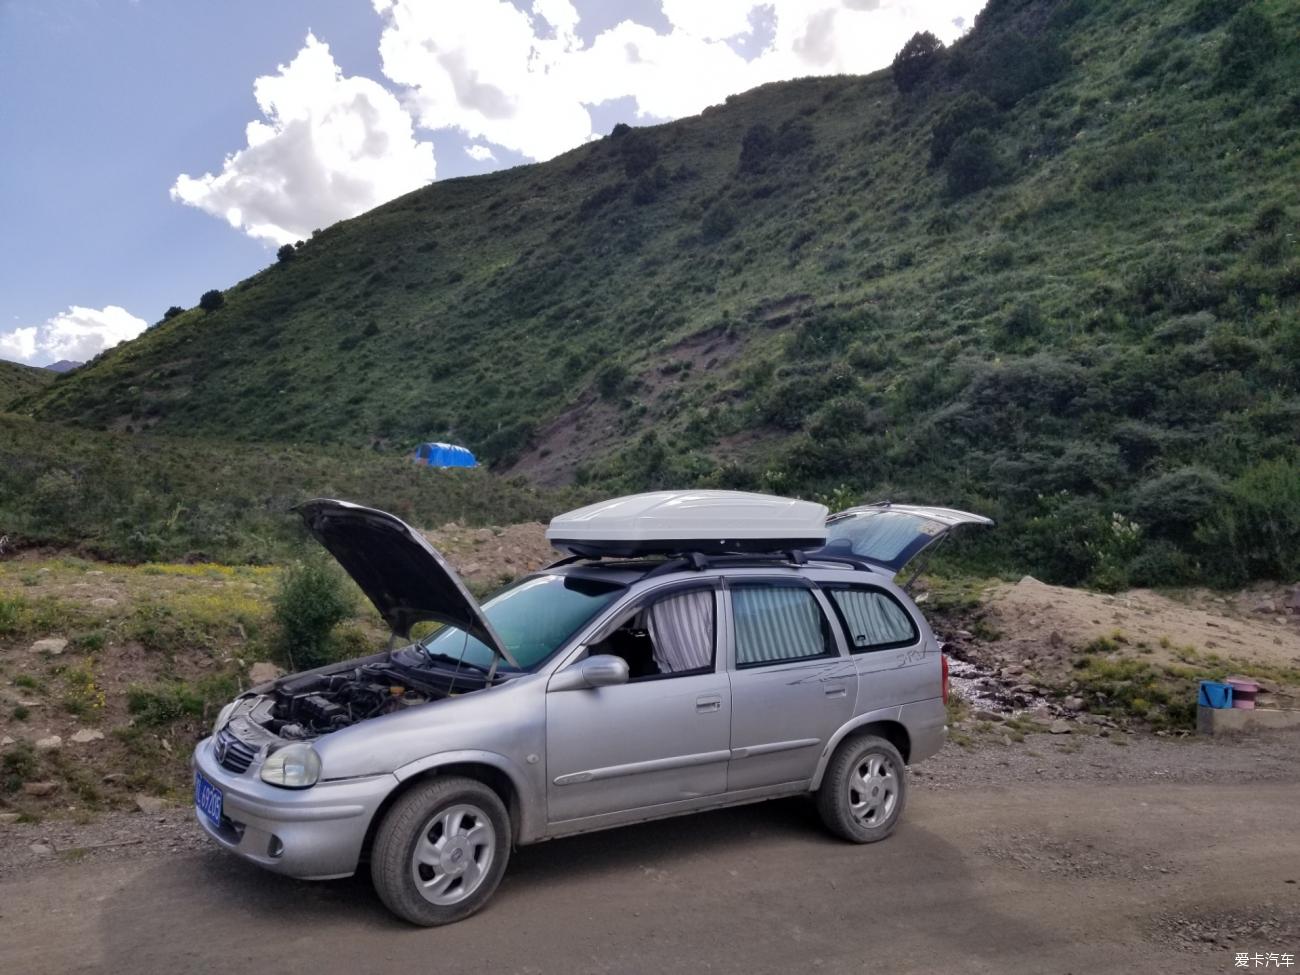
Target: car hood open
x,y
398,570
891,535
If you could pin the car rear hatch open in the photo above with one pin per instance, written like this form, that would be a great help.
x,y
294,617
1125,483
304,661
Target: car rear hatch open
x,y
890,535
398,570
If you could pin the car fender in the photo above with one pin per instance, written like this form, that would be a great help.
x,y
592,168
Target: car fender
x,y
882,714
531,798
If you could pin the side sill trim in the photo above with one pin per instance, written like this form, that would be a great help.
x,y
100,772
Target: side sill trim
x,y
637,768
749,751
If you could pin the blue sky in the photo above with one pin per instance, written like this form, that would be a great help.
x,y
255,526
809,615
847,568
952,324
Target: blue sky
x,y
129,183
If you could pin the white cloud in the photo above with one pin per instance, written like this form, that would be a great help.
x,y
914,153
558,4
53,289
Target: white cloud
x,y
77,334
495,73
480,153
330,147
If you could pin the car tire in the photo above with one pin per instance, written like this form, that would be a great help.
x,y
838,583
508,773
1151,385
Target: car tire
x,y
864,790
441,850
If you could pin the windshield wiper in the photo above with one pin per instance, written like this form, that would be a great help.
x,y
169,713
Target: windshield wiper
x,y
448,658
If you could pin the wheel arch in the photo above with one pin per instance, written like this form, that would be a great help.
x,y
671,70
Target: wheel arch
x,y
494,771
884,723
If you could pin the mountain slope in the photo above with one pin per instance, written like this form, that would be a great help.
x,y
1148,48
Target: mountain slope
x,y
1056,280
18,381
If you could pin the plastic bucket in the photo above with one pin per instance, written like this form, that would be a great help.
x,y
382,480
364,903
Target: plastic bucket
x,y
1215,695
1243,692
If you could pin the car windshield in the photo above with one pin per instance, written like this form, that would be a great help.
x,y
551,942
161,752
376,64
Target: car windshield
x,y
534,618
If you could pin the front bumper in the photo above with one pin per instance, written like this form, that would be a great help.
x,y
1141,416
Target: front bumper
x,y
311,834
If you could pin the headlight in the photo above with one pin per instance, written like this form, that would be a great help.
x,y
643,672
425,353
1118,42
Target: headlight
x,y
292,767
223,716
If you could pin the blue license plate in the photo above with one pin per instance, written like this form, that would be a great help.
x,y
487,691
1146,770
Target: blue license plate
x,y
207,798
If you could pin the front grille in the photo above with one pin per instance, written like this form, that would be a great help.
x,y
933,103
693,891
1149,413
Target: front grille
x,y
232,754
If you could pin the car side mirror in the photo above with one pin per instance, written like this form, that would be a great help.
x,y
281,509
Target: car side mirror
x,y
598,670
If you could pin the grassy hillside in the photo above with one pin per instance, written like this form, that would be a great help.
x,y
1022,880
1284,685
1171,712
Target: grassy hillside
x,y
147,497
1056,280
17,381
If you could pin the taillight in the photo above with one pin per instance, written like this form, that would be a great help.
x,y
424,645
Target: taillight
x,y
944,658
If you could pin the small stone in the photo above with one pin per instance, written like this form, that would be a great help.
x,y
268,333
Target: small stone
x,y
1059,727
1267,606
6,741
1073,703
112,778
1055,639
41,848
49,743
55,645
149,805
104,602
987,716
86,735
8,819
263,671
39,788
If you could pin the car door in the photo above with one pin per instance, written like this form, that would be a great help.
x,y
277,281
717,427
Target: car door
x,y
660,738
791,684
887,646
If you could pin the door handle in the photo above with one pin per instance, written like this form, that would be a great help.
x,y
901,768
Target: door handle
x,y
707,704
836,690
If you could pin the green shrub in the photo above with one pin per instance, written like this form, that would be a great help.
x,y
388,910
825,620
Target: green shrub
x,y
1013,66
172,312
311,599
970,110
718,222
973,163
1250,42
212,300
1255,532
916,60
18,765
756,147
1134,162
1172,505
285,254
1209,14
612,379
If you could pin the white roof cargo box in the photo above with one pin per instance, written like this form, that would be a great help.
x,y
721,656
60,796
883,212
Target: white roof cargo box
x,y
669,522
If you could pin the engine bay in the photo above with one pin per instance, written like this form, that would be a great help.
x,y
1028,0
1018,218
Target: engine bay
x,y
317,704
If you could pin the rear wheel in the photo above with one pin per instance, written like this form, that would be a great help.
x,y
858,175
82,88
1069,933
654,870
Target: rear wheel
x,y
864,790
441,850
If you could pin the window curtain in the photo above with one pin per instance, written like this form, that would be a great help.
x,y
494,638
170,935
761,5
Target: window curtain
x,y
873,619
775,623
681,627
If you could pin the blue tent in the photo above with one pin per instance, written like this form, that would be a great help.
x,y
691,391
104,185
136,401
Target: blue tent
x,y
444,455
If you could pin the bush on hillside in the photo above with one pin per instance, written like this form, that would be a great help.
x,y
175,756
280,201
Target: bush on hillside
x,y
285,253
970,110
916,60
1139,161
1013,66
172,312
1255,533
1172,505
756,147
1250,43
1209,14
973,163
638,151
311,599
718,222
212,300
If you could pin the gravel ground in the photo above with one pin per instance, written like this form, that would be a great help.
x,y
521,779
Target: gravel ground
x,y
1078,757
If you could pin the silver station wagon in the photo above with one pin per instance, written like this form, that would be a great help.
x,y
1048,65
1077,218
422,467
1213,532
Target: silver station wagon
x,y
692,650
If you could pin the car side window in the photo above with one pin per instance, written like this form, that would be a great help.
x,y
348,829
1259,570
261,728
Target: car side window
x,y
873,620
673,636
778,623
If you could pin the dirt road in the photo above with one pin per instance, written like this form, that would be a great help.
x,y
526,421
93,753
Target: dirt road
x,y
1060,867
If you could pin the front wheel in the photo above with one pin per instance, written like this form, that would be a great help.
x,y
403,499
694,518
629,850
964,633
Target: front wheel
x,y
864,790
440,851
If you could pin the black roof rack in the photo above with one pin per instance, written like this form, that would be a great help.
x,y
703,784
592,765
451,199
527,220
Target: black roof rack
x,y
699,561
